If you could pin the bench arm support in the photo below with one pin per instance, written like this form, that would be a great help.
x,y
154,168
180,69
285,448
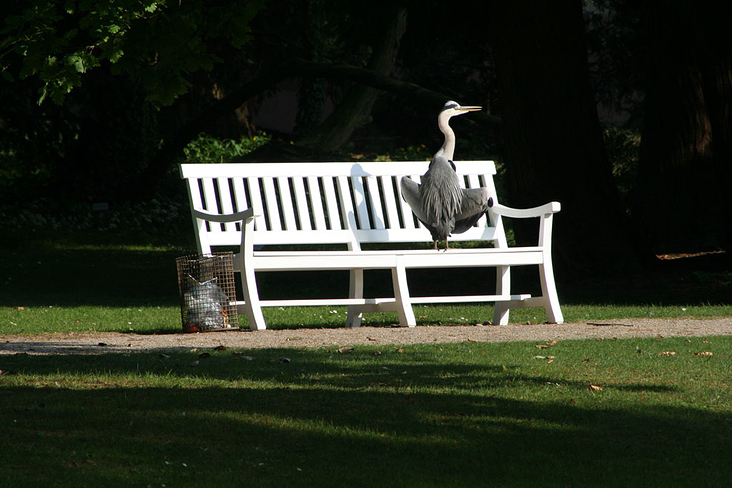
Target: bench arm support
x,y
245,216
522,213
545,213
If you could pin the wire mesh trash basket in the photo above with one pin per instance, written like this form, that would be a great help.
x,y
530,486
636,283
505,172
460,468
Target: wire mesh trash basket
x,y
207,292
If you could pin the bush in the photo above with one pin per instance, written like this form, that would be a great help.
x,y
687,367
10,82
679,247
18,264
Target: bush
x,y
207,149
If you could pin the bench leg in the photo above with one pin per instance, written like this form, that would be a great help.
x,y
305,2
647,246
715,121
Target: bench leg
x,y
251,300
355,290
401,293
503,287
549,291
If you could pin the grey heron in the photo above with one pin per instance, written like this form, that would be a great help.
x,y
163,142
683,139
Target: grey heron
x,y
439,202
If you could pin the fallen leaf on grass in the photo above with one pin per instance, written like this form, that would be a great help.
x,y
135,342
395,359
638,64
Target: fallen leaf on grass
x,y
595,387
345,350
541,346
667,353
400,350
703,353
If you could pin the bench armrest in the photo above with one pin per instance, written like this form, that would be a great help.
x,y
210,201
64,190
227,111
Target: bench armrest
x,y
522,213
245,215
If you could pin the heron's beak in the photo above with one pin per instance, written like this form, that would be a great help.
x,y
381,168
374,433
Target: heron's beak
x,y
469,109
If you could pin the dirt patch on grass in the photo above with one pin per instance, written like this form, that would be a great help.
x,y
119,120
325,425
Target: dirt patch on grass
x,y
110,342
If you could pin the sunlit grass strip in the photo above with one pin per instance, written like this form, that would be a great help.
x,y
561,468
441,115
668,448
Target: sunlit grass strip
x,y
166,319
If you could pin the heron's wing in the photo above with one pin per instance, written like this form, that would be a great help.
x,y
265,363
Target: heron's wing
x,y
411,195
474,204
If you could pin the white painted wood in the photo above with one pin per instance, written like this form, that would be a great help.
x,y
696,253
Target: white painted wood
x,y
345,205
301,203
390,201
287,209
317,203
331,203
271,204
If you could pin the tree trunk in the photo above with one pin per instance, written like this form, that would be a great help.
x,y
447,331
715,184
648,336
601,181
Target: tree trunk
x,y
676,136
553,140
686,158
356,108
718,93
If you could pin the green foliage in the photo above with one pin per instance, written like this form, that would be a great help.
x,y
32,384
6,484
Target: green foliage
x,y
158,221
207,149
157,43
623,146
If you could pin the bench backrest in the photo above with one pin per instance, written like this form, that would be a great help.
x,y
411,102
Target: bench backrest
x,y
317,203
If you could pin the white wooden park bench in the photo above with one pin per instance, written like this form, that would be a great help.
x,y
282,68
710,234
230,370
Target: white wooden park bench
x,y
275,212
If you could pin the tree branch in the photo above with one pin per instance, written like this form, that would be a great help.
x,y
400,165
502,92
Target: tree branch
x,y
303,69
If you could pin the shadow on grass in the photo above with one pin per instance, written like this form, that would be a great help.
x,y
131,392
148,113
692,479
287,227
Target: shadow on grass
x,y
318,420
119,276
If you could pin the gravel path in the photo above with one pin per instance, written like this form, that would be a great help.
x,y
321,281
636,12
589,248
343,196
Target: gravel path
x,y
100,343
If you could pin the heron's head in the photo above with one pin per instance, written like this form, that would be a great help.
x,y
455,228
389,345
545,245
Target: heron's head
x,y
451,109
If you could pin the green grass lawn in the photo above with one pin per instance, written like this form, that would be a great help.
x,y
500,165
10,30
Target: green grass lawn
x,y
577,413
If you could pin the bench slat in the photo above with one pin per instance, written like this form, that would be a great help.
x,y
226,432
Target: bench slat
x,y
210,203
331,203
301,203
225,201
316,201
272,206
287,209
255,195
359,192
390,202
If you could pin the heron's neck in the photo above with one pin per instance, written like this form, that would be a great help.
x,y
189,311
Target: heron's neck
x,y
448,147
